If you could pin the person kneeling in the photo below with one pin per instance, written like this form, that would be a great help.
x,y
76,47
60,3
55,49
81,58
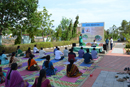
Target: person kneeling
x,y
72,70
42,81
31,63
48,66
87,57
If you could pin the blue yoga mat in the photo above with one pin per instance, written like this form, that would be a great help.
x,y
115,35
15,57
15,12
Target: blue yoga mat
x,y
39,59
54,61
78,58
84,64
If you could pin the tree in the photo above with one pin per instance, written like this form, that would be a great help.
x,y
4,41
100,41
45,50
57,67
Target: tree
x,y
46,23
11,12
58,33
74,31
69,31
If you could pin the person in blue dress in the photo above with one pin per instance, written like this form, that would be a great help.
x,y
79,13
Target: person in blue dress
x,y
3,58
80,40
55,50
48,66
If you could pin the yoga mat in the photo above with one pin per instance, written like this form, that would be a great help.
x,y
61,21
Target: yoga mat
x,y
49,53
30,85
54,61
28,58
59,68
78,58
69,62
39,59
84,64
23,65
26,72
71,79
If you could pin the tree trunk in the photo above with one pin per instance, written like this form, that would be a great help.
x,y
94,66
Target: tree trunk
x,y
43,37
0,39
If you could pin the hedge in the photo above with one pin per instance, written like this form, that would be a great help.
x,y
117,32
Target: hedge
x,y
24,47
127,45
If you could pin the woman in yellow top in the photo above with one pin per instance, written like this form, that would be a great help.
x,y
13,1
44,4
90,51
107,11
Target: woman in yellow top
x,y
31,63
72,70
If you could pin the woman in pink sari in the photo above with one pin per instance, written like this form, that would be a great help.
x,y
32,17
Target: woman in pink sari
x,y
41,81
14,79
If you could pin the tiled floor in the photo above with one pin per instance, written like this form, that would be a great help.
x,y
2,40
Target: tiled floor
x,y
112,62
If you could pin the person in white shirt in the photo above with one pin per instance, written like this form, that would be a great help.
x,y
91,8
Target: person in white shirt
x,y
66,52
94,43
111,42
58,54
94,54
35,50
42,54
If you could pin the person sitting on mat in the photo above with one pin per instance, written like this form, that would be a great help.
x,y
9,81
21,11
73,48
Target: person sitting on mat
x,y
42,53
3,58
58,54
2,75
31,63
81,52
42,81
14,60
19,52
28,53
94,54
94,43
71,55
14,79
87,57
72,70
48,66
35,50
55,50
66,52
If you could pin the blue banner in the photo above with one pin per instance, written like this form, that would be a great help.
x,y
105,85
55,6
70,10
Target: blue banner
x,y
92,24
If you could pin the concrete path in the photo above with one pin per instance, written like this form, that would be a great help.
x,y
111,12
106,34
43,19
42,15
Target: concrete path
x,y
104,74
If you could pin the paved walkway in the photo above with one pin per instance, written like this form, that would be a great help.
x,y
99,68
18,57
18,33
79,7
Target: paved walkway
x,y
104,74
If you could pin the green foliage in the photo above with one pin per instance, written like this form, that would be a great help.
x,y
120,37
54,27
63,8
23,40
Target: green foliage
x,y
18,39
74,31
58,33
69,31
24,47
128,45
46,23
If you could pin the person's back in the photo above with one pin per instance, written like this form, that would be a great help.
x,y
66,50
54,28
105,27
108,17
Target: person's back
x,y
66,52
87,57
81,52
94,54
58,54
55,50
41,53
71,55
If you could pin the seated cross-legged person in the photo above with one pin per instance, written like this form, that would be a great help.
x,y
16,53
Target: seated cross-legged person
x,y
55,50
58,54
42,54
3,58
2,75
94,43
19,52
35,50
94,54
28,53
31,64
14,79
81,52
72,70
48,66
14,60
66,52
42,81
87,57
71,55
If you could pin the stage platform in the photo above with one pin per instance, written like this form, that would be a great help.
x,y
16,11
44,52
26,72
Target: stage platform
x,y
98,48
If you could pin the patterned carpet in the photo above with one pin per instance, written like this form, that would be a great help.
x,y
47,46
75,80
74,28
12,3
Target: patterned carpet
x,y
54,79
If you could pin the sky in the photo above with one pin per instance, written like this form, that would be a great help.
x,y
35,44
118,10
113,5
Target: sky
x,y
111,12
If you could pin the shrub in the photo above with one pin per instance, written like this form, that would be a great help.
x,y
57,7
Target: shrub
x,y
24,47
128,45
